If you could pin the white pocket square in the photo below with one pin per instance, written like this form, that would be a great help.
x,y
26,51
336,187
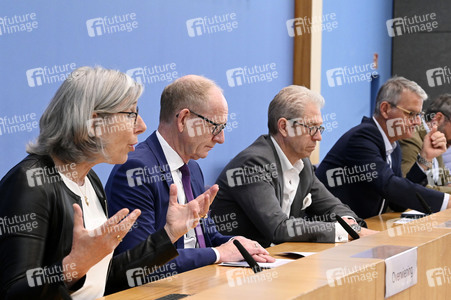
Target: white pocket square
x,y
307,201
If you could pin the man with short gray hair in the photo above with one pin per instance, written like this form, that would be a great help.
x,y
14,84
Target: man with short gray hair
x,y
271,186
363,168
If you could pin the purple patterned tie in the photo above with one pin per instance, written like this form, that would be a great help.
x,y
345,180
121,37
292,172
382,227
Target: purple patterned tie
x,y
186,181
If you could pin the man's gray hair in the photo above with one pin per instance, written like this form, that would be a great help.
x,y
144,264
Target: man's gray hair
x,y
65,126
190,91
289,103
392,90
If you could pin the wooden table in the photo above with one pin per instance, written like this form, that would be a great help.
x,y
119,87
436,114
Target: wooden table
x,y
307,278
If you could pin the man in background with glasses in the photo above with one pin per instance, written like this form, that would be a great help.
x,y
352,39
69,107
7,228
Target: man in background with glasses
x,y
437,114
193,114
271,188
363,168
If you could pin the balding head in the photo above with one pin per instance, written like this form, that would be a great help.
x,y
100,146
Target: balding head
x,y
190,91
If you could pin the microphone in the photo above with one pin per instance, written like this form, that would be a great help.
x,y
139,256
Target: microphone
x,y
247,257
425,205
348,228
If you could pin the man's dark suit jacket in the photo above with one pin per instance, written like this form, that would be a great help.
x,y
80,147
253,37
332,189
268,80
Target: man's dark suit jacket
x,y
251,193
363,146
143,182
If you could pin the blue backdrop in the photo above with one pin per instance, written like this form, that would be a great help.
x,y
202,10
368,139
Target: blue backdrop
x,y
347,57
157,41
153,41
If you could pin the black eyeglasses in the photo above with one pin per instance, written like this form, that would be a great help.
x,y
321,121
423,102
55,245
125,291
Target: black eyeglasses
x,y
411,114
312,129
131,114
217,126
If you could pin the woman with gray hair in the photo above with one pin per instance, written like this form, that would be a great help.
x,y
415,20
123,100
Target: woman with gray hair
x,y
56,240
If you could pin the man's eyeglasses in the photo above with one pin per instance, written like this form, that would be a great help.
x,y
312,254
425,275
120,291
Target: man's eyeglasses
x,y
217,126
131,114
312,129
411,114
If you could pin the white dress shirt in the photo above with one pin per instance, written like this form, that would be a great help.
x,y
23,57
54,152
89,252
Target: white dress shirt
x,y
290,178
290,186
175,162
93,217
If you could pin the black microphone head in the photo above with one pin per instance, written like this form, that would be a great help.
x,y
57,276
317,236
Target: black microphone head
x,y
425,205
348,228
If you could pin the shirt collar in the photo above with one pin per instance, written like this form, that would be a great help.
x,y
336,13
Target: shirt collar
x,y
389,148
173,158
285,163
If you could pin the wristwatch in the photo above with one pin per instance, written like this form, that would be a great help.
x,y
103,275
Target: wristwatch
x,y
423,161
356,227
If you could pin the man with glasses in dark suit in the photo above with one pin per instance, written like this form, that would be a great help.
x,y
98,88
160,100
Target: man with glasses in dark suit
x,y
363,168
271,186
193,114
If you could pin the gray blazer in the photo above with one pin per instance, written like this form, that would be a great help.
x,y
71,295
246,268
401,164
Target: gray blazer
x,y
250,198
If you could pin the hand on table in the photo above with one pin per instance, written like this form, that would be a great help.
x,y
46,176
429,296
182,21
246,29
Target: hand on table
x,y
228,252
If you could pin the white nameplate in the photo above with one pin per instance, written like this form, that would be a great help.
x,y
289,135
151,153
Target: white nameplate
x,y
401,272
